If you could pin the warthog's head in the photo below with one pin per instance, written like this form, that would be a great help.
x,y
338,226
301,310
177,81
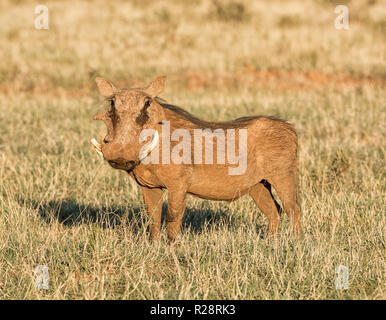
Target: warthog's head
x,y
130,111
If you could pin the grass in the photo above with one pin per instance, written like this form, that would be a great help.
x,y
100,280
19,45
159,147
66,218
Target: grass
x,y
61,206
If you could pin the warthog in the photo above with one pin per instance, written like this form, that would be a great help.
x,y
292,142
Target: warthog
x,y
267,150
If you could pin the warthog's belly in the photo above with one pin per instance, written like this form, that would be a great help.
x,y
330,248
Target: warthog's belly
x,y
224,195
219,185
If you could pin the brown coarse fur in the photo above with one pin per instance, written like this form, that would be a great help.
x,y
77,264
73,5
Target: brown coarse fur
x,y
271,157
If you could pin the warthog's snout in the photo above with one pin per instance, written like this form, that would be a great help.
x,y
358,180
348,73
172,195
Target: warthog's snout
x,y
115,155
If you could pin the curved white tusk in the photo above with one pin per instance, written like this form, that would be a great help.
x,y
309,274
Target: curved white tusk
x,y
97,146
149,148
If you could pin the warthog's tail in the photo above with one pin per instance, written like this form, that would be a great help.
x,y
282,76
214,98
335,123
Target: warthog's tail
x,y
297,187
296,179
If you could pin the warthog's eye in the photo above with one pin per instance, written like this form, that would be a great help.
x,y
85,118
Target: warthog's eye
x,y
111,101
111,108
143,116
147,103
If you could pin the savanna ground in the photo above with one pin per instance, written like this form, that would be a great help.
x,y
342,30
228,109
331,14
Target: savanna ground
x,y
63,207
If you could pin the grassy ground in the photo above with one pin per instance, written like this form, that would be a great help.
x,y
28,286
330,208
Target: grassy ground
x,y
61,206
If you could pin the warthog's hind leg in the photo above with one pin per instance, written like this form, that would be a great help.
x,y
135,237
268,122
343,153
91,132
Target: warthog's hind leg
x,y
286,188
261,194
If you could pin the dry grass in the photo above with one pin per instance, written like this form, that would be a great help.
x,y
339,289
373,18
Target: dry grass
x,y
63,207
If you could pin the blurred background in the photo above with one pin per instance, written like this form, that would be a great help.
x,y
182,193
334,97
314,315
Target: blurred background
x,y
63,207
198,44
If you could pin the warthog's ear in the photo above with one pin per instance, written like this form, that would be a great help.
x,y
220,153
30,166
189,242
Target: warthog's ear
x,y
106,88
156,87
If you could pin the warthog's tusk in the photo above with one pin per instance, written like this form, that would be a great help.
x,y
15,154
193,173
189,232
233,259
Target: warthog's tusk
x,y
152,144
97,146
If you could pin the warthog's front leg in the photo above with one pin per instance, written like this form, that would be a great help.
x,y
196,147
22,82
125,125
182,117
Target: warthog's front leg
x,y
153,202
176,209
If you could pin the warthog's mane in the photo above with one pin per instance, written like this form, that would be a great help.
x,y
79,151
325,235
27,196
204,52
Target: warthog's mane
x,y
233,124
